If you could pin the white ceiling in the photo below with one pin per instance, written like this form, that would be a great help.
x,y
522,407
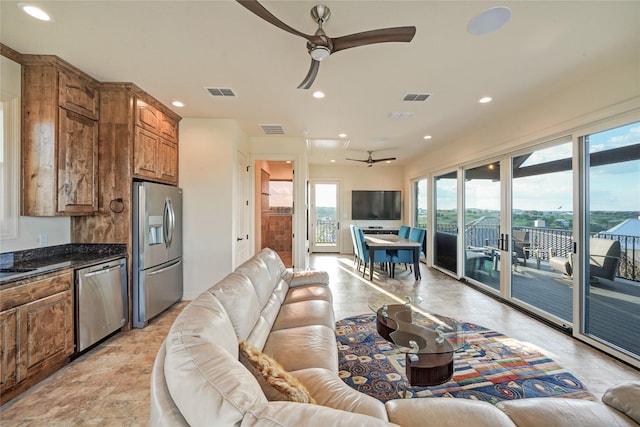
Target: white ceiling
x,y
174,49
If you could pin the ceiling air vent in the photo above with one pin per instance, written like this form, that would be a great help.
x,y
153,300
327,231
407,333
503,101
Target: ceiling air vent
x,y
397,115
417,97
221,91
272,129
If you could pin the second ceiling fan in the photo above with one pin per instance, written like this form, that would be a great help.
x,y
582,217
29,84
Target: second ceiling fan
x,y
371,161
321,46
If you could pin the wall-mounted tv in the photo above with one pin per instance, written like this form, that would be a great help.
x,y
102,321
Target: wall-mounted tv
x,y
376,205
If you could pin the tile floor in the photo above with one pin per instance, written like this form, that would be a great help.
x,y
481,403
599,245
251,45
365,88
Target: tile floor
x,y
109,385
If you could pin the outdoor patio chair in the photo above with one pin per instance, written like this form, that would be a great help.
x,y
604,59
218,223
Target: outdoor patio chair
x,y
521,242
604,257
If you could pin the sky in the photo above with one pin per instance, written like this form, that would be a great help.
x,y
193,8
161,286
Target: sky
x,y
614,187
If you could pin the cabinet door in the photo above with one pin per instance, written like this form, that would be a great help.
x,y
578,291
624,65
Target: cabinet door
x,y
145,153
78,96
8,348
168,161
168,128
147,116
45,329
77,164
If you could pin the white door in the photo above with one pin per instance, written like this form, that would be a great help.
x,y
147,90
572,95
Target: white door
x,y
325,216
243,212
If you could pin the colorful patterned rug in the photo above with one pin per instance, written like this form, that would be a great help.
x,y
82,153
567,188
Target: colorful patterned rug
x,y
490,367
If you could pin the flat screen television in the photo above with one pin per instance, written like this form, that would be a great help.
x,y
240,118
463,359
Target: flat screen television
x,y
376,205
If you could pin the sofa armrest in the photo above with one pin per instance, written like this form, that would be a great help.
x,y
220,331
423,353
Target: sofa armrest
x,y
279,414
308,277
625,398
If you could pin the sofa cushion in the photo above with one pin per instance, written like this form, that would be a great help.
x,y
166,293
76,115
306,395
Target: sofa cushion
x,y
206,382
290,414
446,412
237,295
329,390
276,383
304,347
272,260
625,398
558,412
260,277
305,313
308,292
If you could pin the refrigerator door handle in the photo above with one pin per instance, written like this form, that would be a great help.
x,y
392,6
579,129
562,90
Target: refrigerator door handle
x,y
165,224
162,270
172,220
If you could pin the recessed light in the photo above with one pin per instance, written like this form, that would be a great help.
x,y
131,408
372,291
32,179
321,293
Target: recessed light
x,y
288,161
332,160
34,11
177,104
342,135
485,100
489,21
388,161
427,137
318,94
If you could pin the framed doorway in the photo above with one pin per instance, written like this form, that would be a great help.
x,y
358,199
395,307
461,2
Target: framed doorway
x,y
324,224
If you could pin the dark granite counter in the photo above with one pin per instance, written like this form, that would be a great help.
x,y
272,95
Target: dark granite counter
x,y
19,265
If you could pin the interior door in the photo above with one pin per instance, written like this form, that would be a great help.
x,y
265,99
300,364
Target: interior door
x,y
325,216
243,211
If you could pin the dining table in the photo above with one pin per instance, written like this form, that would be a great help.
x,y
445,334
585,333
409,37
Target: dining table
x,y
390,242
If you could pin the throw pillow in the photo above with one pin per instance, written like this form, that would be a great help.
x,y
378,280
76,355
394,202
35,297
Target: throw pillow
x,y
276,383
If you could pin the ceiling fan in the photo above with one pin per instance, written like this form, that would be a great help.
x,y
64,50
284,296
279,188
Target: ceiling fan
x,y
320,46
371,161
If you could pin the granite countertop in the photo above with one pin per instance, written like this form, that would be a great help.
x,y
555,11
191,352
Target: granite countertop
x,y
36,262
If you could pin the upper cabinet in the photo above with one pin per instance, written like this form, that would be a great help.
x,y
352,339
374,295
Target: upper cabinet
x,y
59,138
155,147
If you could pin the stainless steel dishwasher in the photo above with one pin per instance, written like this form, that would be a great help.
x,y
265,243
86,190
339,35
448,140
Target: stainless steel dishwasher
x,y
101,301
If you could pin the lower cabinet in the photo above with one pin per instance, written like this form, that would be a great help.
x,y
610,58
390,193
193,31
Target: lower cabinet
x,y
36,331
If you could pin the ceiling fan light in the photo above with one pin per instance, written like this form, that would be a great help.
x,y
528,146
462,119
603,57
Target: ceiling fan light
x,y
320,52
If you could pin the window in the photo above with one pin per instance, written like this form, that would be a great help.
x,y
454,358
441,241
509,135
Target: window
x,y
281,196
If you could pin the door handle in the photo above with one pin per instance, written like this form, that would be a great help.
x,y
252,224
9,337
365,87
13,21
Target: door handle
x,y
239,239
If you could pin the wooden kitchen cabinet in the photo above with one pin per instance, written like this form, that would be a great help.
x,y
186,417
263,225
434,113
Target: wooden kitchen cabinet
x,y
8,350
155,146
37,330
59,139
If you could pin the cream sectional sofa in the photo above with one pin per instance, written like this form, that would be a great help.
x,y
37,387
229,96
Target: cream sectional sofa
x,y
197,378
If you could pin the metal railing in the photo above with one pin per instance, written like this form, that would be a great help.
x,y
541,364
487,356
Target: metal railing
x,y
326,231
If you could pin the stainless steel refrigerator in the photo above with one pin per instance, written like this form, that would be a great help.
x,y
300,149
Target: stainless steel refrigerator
x,y
157,249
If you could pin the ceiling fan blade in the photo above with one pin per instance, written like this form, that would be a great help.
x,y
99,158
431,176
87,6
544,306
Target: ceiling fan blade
x,y
357,160
263,13
311,75
383,160
396,34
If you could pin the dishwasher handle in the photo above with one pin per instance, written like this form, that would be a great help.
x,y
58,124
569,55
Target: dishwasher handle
x,y
106,269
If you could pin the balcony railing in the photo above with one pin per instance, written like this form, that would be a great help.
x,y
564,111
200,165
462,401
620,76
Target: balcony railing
x,y
326,231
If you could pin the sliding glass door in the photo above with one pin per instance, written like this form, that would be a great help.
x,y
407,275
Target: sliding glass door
x,y
482,199
611,263
541,235
446,222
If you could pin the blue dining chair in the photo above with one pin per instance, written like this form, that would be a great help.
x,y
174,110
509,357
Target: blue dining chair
x,y
352,229
379,256
404,231
405,256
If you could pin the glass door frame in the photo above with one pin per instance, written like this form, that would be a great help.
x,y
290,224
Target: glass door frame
x,y
329,248
581,231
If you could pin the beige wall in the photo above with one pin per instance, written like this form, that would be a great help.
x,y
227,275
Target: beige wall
x,y
208,158
31,232
360,177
